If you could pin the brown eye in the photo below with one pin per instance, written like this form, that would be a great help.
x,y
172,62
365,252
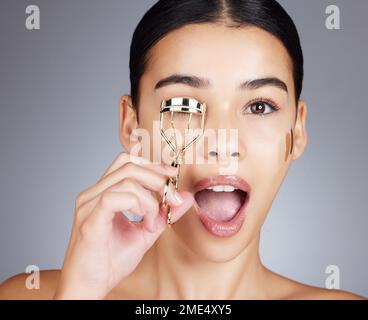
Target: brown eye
x,y
260,108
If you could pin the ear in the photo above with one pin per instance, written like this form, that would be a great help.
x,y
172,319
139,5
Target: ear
x,y
127,121
300,130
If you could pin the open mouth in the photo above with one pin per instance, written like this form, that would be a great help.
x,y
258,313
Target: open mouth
x,y
220,202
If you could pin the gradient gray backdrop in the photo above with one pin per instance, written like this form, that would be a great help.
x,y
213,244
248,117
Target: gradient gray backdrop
x,y
59,94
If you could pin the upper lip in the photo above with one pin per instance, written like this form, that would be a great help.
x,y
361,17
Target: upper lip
x,y
231,180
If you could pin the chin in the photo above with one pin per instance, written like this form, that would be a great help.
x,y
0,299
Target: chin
x,y
197,240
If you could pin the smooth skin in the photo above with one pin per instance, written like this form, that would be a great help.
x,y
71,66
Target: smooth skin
x,y
111,258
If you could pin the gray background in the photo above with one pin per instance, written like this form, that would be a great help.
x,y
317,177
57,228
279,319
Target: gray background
x,y
59,94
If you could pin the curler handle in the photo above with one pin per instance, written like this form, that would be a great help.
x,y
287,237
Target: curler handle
x,y
174,181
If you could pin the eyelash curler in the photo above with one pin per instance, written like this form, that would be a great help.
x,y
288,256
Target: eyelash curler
x,y
180,111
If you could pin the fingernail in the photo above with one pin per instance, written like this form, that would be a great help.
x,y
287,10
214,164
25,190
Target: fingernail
x,y
178,198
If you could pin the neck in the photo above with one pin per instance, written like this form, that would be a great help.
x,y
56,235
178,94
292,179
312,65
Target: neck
x,y
176,272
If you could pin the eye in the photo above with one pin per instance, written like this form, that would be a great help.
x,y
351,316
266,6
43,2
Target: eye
x,y
260,107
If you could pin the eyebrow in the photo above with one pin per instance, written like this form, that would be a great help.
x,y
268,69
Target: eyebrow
x,y
202,83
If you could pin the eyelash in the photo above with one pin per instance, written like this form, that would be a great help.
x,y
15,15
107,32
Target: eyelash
x,y
269,102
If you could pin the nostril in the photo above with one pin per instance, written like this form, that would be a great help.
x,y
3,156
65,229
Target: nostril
x,y
215,154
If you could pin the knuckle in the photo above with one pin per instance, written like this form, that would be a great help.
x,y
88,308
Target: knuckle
x,y
79,199
123,155
128,166
128,183
135,200
105,199
81,211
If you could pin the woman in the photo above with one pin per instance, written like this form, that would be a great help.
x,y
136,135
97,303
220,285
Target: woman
x,y
243,59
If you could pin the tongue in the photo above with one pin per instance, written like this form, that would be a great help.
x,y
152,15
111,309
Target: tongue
x,y
220,206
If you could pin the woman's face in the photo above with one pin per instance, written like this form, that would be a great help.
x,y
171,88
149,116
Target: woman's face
x,y
268,139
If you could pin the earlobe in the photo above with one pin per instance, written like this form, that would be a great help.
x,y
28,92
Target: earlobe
x,y
300,137
127,121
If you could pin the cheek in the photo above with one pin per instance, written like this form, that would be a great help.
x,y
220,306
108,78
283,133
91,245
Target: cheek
x,y
266,154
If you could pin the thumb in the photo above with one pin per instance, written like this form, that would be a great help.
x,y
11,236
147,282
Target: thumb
x,y
176,214
179,211
176,211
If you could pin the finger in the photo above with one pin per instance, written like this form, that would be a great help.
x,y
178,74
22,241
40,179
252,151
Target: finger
x,y
109,204
89,214
176,214
148,178
125,157
177,211
148,203
120,160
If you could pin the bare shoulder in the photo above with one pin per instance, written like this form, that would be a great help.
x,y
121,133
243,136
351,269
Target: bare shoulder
x,y
315,293
294,290
15,288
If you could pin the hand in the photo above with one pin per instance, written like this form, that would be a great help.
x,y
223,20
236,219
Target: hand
x,y
105,246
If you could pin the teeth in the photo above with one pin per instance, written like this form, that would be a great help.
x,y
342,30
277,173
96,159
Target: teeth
x,y
228,188
222,188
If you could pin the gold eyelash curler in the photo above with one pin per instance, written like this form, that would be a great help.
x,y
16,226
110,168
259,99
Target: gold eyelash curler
x,y
185,111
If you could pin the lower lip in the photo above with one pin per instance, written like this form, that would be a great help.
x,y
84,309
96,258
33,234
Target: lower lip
x,y
223,228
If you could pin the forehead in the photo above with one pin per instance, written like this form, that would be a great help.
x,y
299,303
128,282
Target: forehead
x,y
223,54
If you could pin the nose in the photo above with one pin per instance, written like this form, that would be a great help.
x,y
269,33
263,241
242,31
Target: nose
x,y
215,154
222,146
222,142
223,157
